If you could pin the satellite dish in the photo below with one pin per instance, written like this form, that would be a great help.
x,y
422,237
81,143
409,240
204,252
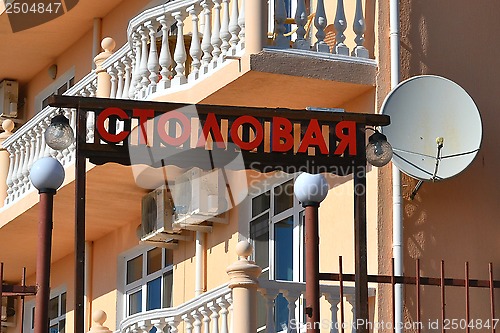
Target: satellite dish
x,y
435,128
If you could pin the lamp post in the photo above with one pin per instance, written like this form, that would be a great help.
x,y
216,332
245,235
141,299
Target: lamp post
x,y
311,190
47,175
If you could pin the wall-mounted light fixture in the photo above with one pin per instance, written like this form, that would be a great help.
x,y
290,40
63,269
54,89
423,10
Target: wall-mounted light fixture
x,y
52,71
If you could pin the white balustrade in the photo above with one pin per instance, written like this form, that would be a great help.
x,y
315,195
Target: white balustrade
x,y
27,144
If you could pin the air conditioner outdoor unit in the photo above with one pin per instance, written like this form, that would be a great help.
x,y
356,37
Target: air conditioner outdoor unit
x,y
199,196
8,98
9,311
157,215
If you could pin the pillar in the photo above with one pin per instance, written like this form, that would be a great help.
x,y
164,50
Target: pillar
x,y
243,276
103,78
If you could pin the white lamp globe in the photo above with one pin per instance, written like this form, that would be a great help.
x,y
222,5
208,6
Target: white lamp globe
x,y
310,189
47,174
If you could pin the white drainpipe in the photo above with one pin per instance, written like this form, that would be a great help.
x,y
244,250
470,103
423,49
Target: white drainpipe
x,y
397,212
199,256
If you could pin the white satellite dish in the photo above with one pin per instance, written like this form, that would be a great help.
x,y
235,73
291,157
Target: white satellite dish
x,y
435,128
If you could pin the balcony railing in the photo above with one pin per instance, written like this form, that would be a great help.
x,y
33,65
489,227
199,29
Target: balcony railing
x,y
212,311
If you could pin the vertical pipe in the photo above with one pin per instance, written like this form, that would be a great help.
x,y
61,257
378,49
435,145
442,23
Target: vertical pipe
x,y
198,290
417,285
443,298
96,39
467,300
23,283
492,298
80,180
341,296
393,298
44,248
89,259
397,212
312,268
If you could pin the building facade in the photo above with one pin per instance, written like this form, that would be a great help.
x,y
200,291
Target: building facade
x,y
277,54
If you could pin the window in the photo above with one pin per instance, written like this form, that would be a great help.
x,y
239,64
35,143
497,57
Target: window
x,y
148,280
56,312
276,231
58,87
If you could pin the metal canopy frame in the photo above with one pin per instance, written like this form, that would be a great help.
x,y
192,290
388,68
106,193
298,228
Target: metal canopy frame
x,y
100,152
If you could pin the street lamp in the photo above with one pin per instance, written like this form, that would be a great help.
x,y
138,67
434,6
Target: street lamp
x,y
378,150
47,175
59,135
311,190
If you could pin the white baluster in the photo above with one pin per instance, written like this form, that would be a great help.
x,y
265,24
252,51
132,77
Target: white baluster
x,y
172,324
25,171
153,64
91,88
214,317
206,45
195,49
225,35
127,62
17,150
135,66
241,23
229,298
215,40
180,55
333,310
291,297
188,328
340,25
143,67
359,28
234,28
159,324
351,308
119,78
222,303
320,23
90,127
165,59
279,24
206,319
112,73
301,21
196,322
270,296
10,181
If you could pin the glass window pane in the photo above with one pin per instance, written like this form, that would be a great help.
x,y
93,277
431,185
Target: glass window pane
x,y
53,329
62,89
153,300
283,197
169,258
134,269
281,313
71,82
168,281
63,304
261,203
62,324
135,303
259,232
283,251
33,317
54,308
154,260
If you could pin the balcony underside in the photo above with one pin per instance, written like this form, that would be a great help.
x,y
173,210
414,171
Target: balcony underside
x,y
113,201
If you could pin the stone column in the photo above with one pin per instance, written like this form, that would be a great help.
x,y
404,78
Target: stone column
x,y
255,25
99,317
243,276
103,78
8,126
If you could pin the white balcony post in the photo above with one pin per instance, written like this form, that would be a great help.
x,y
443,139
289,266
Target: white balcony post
x,y
103,78
234,27
243,276
301,21
359,28
216,40
165,59
320,22
340,25
255,30
225,35
5,170
143,66
195,49
99,317
153,64
206,45
279,25
180,54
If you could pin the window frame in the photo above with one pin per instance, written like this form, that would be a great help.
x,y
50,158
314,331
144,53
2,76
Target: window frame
x,y
53,88
29,310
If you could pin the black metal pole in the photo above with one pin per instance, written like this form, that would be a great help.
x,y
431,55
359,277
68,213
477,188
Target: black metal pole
x,y
80,181
360,250
312,267
43,261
